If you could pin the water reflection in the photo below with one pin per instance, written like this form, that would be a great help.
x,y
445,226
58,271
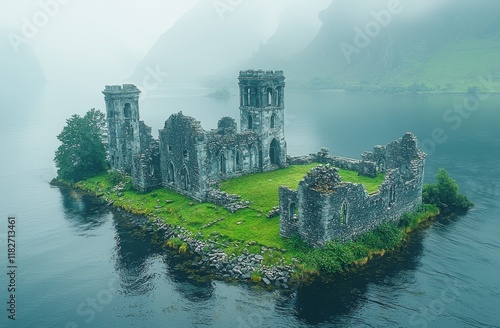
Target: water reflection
x,y
327,302
193,284
85,213
140,262
134,257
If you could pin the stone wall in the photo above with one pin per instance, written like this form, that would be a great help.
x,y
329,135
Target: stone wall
x,y
262,110
186,157
330,209
363,167
122,114
146,170
187,150
230,154
289,206
181,151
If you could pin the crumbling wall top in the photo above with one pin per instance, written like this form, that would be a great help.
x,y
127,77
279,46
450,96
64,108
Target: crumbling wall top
x,y
182,121
323,178
261,74
126,88
227,126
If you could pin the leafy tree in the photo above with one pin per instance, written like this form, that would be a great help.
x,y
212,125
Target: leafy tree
x,y
82,153
445,194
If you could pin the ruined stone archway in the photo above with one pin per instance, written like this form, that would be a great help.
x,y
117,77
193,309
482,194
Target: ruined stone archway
x,y
273,121
171,173
222,163
392,195
238,161
381,166
254,157
274,152
185,180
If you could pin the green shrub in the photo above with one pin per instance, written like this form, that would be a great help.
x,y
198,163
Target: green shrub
x,y
445,194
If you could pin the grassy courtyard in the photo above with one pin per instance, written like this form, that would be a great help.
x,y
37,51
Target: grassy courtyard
x,y
262,189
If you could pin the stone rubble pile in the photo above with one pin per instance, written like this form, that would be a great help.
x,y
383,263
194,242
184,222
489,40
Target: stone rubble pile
x,y
240,267
231,202
274,212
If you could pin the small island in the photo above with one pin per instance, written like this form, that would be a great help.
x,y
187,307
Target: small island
x,y
220,94
236,202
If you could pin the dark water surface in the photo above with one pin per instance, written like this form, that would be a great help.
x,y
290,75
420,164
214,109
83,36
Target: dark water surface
x,y
79,265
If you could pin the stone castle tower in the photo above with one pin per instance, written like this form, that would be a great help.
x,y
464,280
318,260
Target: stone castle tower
x,y
262,107
185,157
122,109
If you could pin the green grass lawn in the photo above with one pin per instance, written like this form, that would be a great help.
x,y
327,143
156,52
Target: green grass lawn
x,y
262,189
236,229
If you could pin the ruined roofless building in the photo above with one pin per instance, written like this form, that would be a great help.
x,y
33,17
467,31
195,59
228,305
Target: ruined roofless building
x,y
188,159
324,208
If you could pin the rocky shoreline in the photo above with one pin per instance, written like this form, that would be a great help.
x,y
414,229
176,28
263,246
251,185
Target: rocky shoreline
x,y
211,256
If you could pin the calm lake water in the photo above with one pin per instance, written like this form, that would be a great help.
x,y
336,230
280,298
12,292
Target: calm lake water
x,y
80,265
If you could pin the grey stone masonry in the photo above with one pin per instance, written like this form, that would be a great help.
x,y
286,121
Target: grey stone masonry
x,y
186,158
330,209
122,112
262,109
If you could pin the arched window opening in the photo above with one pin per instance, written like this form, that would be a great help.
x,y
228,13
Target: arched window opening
x,y
127,110
405,171
280,94
238,161
273,121
269,97
274,152
248,97
254,162
381,165
185,183
344,214
250,122
392,196
293,211
222,163
170,173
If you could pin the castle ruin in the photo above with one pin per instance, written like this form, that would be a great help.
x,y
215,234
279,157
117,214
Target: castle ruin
x,y
190,160
325,208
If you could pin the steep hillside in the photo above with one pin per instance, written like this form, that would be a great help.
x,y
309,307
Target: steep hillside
x,y
419,46
212,38
369,45
217,38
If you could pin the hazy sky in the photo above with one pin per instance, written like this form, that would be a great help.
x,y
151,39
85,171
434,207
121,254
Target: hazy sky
x,y
104,40
82,36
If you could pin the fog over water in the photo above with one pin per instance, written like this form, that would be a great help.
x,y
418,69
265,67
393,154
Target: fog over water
x,y
441,57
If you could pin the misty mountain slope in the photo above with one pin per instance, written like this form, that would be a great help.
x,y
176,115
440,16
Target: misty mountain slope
x,y
371,45
298,26
447,46
207,40
215,39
